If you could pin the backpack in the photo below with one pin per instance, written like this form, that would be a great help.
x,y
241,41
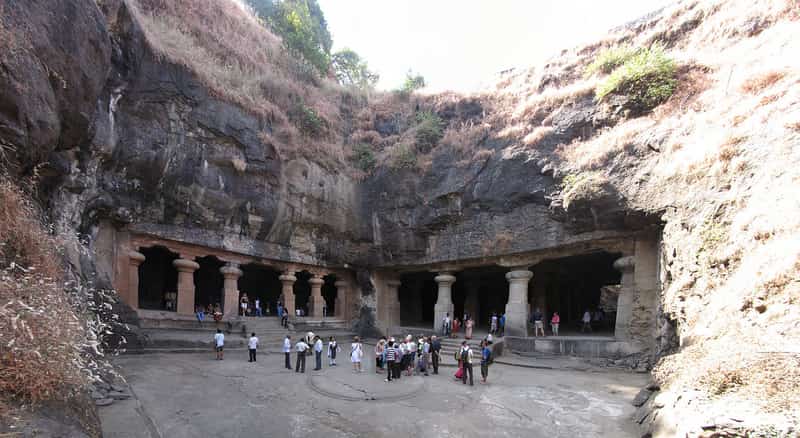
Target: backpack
x,y
490,358
464,356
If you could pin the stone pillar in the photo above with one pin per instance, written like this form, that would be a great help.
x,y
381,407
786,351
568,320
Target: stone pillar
x,y
341,299
186,270
471,302
136,258
317,302
444,302
392,306
517,306
230,289
287,291
625,265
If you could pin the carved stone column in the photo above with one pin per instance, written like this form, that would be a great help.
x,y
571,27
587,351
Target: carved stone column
x,y
517,306
626,266
341,299
132,297
186,270
392,307
287,291
317,302
230,289
444,302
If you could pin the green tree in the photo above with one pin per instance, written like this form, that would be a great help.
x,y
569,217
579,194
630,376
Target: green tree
x,y
413,82
352,70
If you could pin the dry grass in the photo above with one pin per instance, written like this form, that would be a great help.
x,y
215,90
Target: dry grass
x,y
758,83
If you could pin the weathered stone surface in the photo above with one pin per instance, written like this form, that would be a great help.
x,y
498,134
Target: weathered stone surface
x,y
642,397
104,401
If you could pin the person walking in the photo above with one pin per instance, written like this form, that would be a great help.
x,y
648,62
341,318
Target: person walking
x,y
468,328
252,344
379,347
501,326
436,351
554,322
587,321
201,315
391,358
287,351
356,353
446,325
279,312
317,353
333,348
258,307
301,348
538,322
493,324
486,357
466,363
219,344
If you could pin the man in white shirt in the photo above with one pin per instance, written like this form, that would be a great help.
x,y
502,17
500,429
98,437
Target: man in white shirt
x,y
258,307
252,344
446,324
301,348
287,351
219,343
318,353
466,361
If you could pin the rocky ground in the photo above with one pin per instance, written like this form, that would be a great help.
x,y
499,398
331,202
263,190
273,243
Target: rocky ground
x,y
183,395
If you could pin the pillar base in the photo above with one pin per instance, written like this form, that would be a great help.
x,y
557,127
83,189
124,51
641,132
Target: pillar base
x,y
516,321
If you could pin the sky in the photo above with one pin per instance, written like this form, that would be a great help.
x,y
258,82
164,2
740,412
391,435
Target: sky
x,y
461,45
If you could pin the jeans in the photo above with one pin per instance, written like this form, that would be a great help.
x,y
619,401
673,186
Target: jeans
x,y
484,370
301,362
390,367
467,368
288,360
435,362
318,362
258,311
252,354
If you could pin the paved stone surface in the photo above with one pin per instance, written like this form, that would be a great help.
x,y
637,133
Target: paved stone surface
x,y
188,395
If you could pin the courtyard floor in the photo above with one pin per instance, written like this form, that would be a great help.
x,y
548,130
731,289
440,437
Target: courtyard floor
x,y
190,395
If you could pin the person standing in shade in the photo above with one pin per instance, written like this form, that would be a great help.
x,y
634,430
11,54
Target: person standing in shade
x,y
391,358
468,323
501,325
317,353
285,318
587,321
436,351
301,348
466,363
279,312
356,353
252,344
446,324
219,343
201,315
333,348
486,357
554,322
379,347
258,307
493,324
287,351
538,322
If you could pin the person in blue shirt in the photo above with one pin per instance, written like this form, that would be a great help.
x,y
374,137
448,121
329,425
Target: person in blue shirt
x,y
502,328
486,355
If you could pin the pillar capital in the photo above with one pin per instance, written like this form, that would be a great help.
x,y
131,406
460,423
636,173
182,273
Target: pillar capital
x,y
136,258
522,275
316,281
287,278
184,265
445,278
625,264
231,270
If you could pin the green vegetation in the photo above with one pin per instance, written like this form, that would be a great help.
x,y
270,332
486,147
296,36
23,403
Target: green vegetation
x,y
363,156
413,82
610,59
429,130
404,157
308,121
352,70
647,78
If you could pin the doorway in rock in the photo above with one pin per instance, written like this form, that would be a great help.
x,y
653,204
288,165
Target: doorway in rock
x,y
158,279
329,294
208,282
418,292
262,283
572,285
302,292
479,292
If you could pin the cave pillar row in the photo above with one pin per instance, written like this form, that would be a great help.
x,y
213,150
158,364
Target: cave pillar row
x,y
230,289
444,301
341,299
287,291
517,306
626,266
186,270
392,306
317,301
132,297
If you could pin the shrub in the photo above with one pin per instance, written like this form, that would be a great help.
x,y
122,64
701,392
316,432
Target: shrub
x,y
429,130
363,156
610,59
308,121
413,82
647,79
404,157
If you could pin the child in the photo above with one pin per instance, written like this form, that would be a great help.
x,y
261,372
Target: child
x,y
333,348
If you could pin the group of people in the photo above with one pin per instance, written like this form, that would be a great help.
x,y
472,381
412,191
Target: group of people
x,y
215,312
451,327
408,355
313,344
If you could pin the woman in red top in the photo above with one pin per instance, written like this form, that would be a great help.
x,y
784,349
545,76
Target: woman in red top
x,y
554,321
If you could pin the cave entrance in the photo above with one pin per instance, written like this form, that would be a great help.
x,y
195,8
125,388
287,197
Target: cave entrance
x,y
158,279
329,294
262,283
208,282
479,293
302,292
572,285
417,292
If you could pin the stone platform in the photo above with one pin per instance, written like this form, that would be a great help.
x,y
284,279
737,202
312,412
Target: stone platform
x,y
583,346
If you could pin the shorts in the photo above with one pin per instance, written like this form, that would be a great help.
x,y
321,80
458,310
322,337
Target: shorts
x,y
219,348
538,324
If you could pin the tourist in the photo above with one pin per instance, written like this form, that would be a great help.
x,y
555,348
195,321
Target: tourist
x,y
466,363
446,324
258,307
301,348
383,356
538,322
285,318
317,353
391,358
587,321
456,326
217,313
279,313
219,343
356,353
287,351
198,310
436,350
554,321
243,302
501,326
493,324
468,328
252,344
412,355
486,356
426,355
333,348
379,347
400,357
489,339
